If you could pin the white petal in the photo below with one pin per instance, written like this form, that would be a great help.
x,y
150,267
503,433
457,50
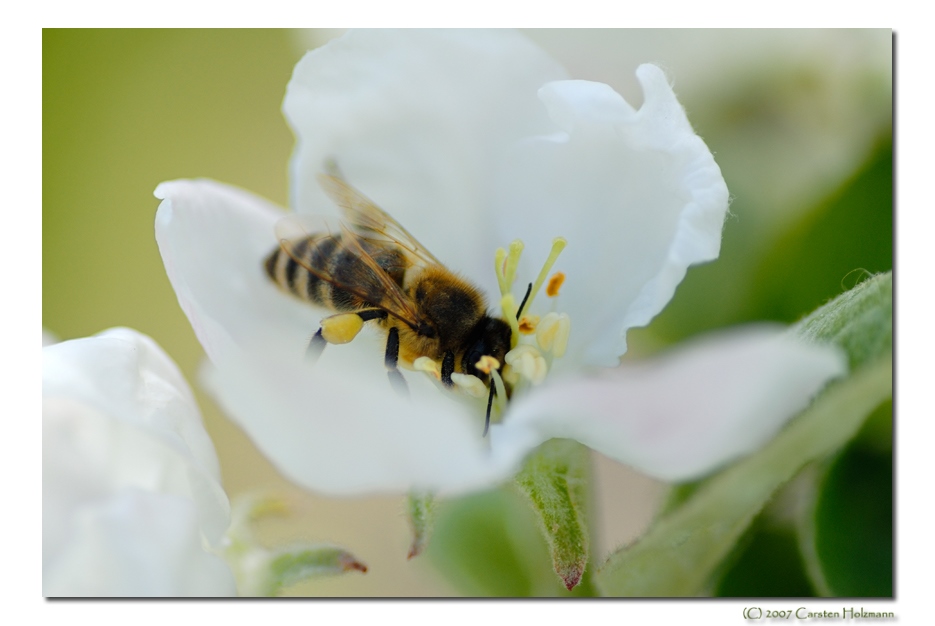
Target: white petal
x,y
637,195
687,413
338,427
417,120
213,239
117,413
136,544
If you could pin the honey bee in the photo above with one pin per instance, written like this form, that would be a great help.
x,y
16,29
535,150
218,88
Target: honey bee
x,y
369,268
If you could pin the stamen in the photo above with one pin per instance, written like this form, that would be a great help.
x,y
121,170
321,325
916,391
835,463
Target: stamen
x,y
528,324
555,283
508,306
487,363
558,244
501,391
553,332
510,375
499,268
427,365
470,384
528,362
512,262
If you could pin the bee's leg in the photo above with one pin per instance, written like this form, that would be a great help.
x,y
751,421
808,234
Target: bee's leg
x,y
391,360
371,314
448,368
489,406
315,347
340,328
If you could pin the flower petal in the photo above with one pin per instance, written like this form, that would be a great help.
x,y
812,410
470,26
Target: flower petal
x,y
117,413
213,238
137,544
417,120
637,195
337,427
687,413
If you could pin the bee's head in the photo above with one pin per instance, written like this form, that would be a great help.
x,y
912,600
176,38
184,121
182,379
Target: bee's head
x,y
490,337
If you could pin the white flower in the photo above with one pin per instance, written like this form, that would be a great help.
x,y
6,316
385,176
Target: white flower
x,y
471,140
131,491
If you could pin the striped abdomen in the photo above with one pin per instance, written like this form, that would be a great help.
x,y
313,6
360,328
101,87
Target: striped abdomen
x,y
323,270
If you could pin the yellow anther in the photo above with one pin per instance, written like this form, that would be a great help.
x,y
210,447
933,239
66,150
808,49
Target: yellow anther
x,y
554,284
471,385
528,324
528,362
341,328
487,363
427,365
553,332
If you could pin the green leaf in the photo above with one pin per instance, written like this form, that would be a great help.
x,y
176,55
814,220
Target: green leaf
x,y
486,545
849,235
854,525
681,551
860,321
291,565
766,564
420,508
848,533
555,479
262,571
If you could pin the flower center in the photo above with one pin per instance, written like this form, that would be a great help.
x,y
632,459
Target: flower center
x,y
536,340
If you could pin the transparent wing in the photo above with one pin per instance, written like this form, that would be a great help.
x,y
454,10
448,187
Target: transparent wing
x,y
365,269
367,219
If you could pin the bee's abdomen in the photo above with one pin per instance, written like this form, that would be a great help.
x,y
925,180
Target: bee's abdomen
x,y
290,270
325,271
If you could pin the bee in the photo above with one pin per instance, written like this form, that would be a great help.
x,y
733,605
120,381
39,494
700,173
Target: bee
x,y
370,269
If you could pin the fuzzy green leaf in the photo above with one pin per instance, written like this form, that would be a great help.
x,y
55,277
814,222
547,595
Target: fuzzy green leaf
x,y
262,571
555,479
420,509
288,566
860,321
486,544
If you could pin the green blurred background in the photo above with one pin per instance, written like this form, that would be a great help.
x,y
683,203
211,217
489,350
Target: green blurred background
x,y
799,121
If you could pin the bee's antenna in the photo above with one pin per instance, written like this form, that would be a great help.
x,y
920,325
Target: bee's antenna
x,y
519,311
489,405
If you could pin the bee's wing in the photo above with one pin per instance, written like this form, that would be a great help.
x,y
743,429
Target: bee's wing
x,y
369,220
358,273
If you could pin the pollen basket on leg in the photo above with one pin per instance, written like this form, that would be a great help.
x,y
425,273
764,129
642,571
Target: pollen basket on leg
x,y
341,328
